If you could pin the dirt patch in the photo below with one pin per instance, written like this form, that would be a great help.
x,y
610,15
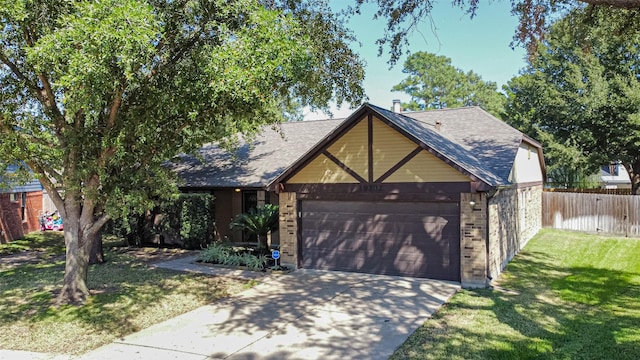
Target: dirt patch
x,y
149,255
146,255
27,257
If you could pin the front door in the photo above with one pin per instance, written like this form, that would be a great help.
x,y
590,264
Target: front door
x,y
249,201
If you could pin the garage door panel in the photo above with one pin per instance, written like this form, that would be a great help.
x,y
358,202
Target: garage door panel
x,y
412,239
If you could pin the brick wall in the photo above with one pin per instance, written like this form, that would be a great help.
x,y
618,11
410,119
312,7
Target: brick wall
x,y
12,226
288,229
515,216
473,232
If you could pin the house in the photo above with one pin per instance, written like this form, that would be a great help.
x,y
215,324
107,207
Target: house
x,y
449,194
20,207
614,176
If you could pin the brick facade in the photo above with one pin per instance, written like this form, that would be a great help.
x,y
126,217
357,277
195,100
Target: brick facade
x,y
473,240
504,223
515,216
12,224
288,229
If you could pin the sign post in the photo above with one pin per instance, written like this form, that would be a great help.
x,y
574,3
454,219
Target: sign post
x,y
275,254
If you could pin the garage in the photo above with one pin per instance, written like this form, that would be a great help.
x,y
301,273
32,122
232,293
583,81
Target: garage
x,y
418,239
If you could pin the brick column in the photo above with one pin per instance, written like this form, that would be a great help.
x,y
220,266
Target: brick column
x,y
288,229
473,234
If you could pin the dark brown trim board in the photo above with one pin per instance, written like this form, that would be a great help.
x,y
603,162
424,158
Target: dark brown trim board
x,y
379,192
400,164
343,166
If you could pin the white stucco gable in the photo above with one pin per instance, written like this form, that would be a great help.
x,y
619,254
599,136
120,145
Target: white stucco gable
x,y
527,165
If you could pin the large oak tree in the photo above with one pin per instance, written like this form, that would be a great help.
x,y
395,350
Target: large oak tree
x,y
580,95
97,95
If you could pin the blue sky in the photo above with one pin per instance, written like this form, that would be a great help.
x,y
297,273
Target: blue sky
x,y
480,44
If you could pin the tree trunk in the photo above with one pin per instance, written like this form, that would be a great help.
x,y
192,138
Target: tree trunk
x,y
262,243
74,289
96,254
82,248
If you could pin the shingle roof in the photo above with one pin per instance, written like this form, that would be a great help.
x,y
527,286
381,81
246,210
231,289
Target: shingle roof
x,y
490,141
254,165
470,138
10,185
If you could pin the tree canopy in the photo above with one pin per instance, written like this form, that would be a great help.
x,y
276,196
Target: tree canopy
x,y
98,95
580,95
434,83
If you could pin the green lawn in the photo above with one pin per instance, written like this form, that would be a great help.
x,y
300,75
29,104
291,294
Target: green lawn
x,y
50,243
565,296
129,296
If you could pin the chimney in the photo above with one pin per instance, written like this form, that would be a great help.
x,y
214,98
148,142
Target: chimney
x,y
438,124
397,108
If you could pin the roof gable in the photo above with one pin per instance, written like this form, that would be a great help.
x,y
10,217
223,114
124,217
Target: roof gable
x,y
402,143
468,140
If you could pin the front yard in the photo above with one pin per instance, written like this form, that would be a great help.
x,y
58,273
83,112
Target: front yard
x,y
129,296
565,296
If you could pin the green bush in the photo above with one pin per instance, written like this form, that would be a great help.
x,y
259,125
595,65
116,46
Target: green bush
x,y
221,253
188,219
191,217
215,253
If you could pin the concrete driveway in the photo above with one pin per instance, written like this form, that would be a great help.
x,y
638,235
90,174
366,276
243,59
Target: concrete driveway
x,y
301,315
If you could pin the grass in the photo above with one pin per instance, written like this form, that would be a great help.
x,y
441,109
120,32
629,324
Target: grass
x,y
565,296
50,243
128,296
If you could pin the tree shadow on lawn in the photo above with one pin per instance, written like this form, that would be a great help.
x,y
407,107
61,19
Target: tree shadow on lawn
x,y
122,290
574,312
537,311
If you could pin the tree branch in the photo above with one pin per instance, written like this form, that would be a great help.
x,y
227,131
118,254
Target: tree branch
x,y
115,106
37,91
621,4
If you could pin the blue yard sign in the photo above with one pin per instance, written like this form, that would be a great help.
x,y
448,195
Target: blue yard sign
x,y
275,254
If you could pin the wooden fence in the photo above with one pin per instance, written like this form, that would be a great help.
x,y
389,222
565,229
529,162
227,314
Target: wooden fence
x,y
595,213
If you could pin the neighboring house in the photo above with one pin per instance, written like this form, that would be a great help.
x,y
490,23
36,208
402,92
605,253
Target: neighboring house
x,y
448,194
614,176
20,207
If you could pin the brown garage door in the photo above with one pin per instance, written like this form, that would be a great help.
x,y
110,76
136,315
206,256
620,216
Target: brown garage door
x,y
392,238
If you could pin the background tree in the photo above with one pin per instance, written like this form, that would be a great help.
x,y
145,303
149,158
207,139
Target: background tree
x,y
580,95
97,95
434,83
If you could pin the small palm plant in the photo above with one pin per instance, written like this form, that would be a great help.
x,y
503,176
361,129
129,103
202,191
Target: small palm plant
x,y
259,221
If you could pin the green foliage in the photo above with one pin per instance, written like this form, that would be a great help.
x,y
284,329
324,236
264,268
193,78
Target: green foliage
x,y
581,95
189,218
434,83
259,221
221,253
97,96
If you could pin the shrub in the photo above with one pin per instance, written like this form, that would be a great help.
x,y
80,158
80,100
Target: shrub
x,y
215,253
221,253
259,221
